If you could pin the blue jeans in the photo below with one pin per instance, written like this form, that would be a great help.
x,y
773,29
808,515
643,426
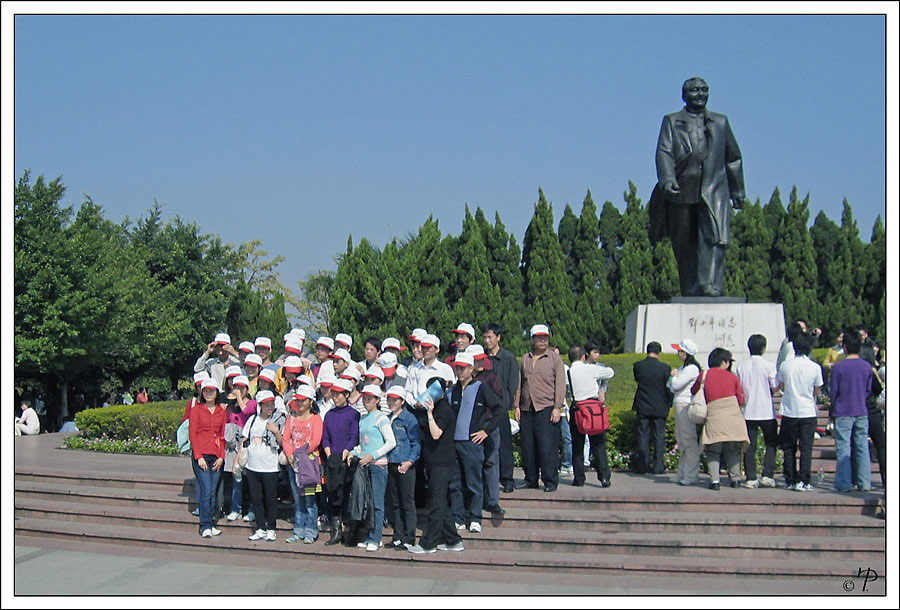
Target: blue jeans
x,y
379,484
853,430
566,443
207,480
306,511
470,458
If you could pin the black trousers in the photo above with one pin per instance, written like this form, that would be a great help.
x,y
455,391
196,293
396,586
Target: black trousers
x,y
769,429
656,427
440,528
401,492
507,462
797,432
338,481
263,491
540,447
879,442
598,450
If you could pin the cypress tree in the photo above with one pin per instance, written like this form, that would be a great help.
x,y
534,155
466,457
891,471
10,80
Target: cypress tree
x,y
875,263
747,269
794,262
548,295
773,211
593,296
665,283
568,230
830,251
611,243
480,297
504,257
428,268
637,262
395,293
356,306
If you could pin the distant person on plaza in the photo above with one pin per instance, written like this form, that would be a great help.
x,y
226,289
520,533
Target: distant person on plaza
x,y
725,431
207,434
589,384
758,380
680,383
851,385
219,355
801,381
505,365
541,397
27,422
795,329
651,403
142,397
835,353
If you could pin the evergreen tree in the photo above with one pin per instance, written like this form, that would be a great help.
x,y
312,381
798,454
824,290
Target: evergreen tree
x,y
593,296
611,242
774,212
429,270
875,263
479,297
568,231
504,257
794,263
665,282
747,269
396,293
548,295
636,265
356,305
252,314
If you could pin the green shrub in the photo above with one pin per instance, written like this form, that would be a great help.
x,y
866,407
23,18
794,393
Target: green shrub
x,y
126,422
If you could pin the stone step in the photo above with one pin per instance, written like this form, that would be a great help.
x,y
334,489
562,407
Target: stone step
x,y
473,558
110,479
524,519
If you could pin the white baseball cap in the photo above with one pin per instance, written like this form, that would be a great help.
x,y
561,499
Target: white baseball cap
x,y
246,346
539,329
223,339
304,391
464,359
344,338
325,342
253,359
392,343
293,364
431,340
372,390
687,346
465,329
263,342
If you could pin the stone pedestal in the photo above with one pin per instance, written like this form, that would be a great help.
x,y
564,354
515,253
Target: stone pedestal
x,y
711,322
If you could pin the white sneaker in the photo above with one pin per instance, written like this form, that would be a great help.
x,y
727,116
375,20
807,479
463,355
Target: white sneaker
x,y
767,482
567,470
475,527
418,550
750,484
360,545
257,535
247,518
460,526
207,533
215,531
453,547
372,547
233,516
270,535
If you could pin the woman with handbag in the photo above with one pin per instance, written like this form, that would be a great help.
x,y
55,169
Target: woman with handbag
x,y
262,442
725,431
301,439
680,383
207,434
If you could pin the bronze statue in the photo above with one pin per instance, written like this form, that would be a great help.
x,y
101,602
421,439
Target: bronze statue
x,y
699,173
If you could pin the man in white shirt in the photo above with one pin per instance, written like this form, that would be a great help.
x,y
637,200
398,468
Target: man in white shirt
x,y
801,380
421,372
758,379
588,382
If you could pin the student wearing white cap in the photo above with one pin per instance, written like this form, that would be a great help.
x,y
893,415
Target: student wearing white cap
x,y
376,440
340,434
263,347
301,440
414,340
261,438
477,409
323,371
219,355
680,382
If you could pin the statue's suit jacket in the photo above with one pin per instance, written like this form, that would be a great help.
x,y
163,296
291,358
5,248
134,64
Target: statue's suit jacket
x,y
711,183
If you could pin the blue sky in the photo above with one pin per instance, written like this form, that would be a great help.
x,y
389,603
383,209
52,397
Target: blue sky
x,y
300,130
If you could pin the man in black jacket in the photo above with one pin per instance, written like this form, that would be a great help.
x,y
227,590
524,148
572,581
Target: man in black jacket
x,y
505,365
651,403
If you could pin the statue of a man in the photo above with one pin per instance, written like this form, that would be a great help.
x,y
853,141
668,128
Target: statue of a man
x,y
699,172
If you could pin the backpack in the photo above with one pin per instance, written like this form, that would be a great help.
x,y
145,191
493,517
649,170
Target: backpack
x,y
591,416
183,434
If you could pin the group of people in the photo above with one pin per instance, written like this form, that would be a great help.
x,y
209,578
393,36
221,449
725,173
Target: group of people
x,y
740,406
364,443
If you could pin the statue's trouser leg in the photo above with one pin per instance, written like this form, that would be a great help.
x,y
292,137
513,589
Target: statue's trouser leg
x,y
710,267
682,228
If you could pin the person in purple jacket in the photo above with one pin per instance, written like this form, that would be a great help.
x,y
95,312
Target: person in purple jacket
x,y
851,383
340,434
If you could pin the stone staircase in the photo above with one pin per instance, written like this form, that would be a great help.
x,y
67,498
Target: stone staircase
x,y
643,533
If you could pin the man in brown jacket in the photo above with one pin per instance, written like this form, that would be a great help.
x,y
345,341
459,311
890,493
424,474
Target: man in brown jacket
x,y
541,396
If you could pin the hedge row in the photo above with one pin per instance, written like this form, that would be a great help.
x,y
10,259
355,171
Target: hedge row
x,y
126,422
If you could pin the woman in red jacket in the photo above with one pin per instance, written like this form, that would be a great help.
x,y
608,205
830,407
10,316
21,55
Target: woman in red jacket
x,y
207,432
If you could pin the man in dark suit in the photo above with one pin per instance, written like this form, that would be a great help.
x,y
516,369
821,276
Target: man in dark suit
x,y
651,403
700,173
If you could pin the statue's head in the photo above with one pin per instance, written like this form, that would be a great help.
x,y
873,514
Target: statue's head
x,y
695,93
